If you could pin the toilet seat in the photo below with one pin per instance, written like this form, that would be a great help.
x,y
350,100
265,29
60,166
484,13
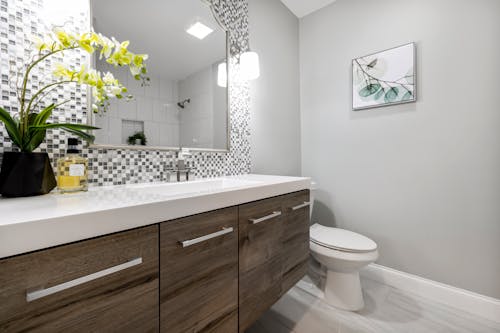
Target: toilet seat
x,y
340,239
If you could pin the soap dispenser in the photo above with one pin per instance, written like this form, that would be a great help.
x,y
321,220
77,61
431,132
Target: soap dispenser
x,y
72,170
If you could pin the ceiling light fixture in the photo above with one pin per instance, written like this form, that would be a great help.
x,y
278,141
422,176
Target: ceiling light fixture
x,y
199,30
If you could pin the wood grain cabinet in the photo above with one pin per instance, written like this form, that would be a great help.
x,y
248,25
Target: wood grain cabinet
x,y
261,227
295,239
199,273
213,272
273,252
106,284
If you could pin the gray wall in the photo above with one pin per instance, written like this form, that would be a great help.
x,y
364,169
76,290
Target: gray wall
x,y
274,105
421,179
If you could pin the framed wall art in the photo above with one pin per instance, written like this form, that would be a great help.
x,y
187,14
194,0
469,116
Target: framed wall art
x,y
384,78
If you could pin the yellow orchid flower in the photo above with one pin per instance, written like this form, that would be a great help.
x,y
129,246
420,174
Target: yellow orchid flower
x,y
86,42
80,74
109,79
125,44
104,86
139,59
106,44
40,44
62,72
64,38
135,70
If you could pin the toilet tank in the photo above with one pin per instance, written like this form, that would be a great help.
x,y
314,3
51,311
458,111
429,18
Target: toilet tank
x,y
311,197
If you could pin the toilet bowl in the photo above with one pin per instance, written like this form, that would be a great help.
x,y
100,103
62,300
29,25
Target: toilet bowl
x,y
342,253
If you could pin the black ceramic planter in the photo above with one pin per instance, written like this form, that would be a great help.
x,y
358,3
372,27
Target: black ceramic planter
x,y
26,174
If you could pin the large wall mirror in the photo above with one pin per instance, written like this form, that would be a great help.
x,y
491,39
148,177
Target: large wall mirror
x,y
185,102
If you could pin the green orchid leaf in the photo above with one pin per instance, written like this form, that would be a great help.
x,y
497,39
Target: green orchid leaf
x,y
66,125
84,135
12,127
370,89
37,135
76,129
44,115
32,119
391,94
15,136
36,139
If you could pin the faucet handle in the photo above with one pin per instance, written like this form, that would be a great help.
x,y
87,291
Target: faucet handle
x,y
183,153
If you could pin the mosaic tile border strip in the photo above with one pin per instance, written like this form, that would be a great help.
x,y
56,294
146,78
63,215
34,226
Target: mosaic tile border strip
x,y
19,20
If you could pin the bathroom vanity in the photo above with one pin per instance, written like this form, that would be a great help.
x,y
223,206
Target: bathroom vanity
x,y
203,256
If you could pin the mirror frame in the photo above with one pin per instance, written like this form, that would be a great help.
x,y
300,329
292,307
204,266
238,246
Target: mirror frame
x,y
91,63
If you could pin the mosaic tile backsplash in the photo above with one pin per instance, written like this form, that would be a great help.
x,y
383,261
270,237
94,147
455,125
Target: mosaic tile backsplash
x,y
20,21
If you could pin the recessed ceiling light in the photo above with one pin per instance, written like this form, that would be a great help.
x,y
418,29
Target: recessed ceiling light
x,y
199,30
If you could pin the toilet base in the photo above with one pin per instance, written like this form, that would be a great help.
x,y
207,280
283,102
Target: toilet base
x,y
343,290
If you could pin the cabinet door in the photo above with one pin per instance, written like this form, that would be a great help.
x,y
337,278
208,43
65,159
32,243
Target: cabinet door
x,y
261,225
199,273
106,284
295,238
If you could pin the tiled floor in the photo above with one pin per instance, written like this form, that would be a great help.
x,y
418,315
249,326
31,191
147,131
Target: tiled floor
x,y
387,310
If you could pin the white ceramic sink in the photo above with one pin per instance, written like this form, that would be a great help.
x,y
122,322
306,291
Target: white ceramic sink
x,y
194,187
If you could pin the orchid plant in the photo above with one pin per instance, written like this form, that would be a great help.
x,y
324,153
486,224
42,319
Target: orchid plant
x,y
27,129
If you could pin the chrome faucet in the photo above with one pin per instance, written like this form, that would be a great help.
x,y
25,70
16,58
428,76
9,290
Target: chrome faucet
x,y
181,167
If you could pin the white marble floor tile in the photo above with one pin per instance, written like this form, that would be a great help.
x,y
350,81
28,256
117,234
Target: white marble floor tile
x,y
387,310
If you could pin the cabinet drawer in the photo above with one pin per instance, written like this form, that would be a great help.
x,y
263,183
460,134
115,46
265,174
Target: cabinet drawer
x,y
261,226
295,238
259,289
260,232
199,273
106,284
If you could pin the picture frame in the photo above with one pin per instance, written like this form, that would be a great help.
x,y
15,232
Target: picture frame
x,y
385,78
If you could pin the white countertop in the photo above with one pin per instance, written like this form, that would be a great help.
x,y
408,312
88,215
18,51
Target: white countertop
x,y
34,223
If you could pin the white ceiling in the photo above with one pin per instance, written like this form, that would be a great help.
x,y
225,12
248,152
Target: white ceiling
x,y
157,27
302,8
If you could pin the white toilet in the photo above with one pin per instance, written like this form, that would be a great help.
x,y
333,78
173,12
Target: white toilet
x,y
343,253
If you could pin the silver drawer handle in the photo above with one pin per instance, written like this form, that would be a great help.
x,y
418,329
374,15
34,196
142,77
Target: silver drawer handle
x,y
305,204
265,218
193,241
37,294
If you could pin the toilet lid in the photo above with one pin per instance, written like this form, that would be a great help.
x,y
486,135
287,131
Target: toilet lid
x,y
340,239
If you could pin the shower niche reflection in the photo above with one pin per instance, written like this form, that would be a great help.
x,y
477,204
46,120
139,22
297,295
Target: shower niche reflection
x,y
185,101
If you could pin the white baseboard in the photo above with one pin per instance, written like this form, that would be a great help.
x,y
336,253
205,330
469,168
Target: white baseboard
x,y
480,305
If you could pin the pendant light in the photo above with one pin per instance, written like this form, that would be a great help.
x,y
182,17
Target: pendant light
x,y
222,75
249,65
